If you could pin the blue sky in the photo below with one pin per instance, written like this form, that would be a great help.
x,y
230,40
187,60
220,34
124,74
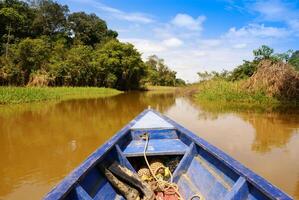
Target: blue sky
x,y
199,35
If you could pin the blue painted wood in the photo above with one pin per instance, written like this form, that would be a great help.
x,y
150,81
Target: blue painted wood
x,y
217,192
239,191
155,134
82,194
185,163
123,160
106,192
215,178
62,189
152,121
186,188
205,181
156,147
217,166
257,181
93,181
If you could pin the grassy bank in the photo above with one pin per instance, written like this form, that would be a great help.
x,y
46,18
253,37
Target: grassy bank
x,y
160,88
230,92
154,89
13,95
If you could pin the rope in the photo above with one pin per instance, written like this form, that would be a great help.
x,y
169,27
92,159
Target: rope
x,y
195,196
163,185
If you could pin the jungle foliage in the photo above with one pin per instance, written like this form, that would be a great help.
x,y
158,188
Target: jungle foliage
x,y
160,74
268,79
248,68
43,44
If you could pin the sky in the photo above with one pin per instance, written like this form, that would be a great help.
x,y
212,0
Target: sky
x,y
199,35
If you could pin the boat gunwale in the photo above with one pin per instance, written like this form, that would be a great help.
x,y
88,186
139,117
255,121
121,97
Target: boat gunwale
x,y
65,186
256,180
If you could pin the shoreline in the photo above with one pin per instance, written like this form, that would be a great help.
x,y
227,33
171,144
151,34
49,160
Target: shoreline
x,y
17,95
225,92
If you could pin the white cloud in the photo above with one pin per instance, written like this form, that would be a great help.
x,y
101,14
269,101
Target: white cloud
x,y
103,9
279,11
275,10
294,23
285,11
199,53
150,46
191,55
173,42
188,22
132,17
270,10
145,46
240,46
209,42
257,30
181,44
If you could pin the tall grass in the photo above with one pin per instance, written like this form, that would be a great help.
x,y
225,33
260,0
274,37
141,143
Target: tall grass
x,y
230,92
12,95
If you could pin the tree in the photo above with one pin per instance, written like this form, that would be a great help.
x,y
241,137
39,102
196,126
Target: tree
x,y
51,18
12,17
159,73
284,57
10,73
294,60
180,82
20,25
204,76
32,55
76,68
264,52
89,29
243,71
121,64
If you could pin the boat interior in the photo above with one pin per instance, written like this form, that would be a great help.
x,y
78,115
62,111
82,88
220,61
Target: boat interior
x,y
197,172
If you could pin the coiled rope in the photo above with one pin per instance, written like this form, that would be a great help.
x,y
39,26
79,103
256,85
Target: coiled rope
x,y
163,185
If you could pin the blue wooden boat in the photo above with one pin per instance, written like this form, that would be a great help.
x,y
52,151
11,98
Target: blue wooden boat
x,y
203,169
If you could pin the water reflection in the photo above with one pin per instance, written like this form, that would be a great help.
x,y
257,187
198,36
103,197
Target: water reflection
x,y
273,126
266,141
297,190
273,130
41,143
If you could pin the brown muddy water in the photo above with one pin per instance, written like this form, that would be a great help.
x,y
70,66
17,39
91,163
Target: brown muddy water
x,y
41,143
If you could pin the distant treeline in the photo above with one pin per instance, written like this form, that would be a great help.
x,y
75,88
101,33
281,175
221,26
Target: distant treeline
x,y
248,68
42,43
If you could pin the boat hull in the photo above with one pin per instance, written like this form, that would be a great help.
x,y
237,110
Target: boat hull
x,y
203,170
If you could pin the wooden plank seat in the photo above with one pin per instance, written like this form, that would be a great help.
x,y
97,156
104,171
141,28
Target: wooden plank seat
x,y
155,147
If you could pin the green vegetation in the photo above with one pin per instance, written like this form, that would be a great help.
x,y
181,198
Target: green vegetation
x,y
43,44
160,88
11,95
267,80
154,89
294,60
160,74
231,92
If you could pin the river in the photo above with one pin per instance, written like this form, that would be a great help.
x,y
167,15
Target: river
x,y
40,143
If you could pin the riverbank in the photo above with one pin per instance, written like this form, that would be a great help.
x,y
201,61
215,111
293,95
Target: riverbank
x,y
14,95
222,91
271,83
